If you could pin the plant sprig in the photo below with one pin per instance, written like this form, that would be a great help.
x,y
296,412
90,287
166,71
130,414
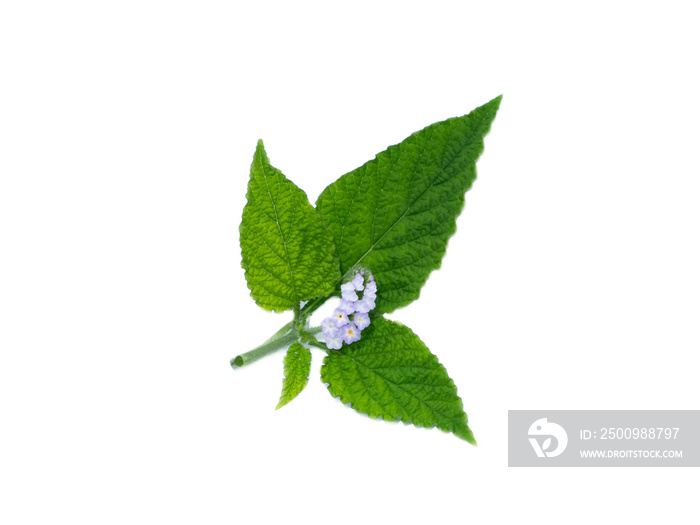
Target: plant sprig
x,y
372,239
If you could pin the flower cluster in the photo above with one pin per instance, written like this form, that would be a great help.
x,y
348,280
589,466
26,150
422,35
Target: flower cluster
x,y
339,327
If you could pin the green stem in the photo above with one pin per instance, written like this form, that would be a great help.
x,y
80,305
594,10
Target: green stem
x,y
316,344
283,337
312,306
288,334
309,339
282,331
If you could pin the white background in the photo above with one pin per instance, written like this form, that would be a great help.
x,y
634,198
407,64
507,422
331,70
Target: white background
x,y
126,134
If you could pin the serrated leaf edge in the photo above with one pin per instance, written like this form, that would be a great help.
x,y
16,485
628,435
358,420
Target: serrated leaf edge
x,y
329,292
282,402
468,436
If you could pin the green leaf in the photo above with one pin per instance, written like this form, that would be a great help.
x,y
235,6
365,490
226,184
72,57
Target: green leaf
x,y
391,373
395,214
288,253
297,365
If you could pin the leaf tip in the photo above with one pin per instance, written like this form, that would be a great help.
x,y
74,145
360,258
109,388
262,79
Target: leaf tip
x,y
467,435
260,150
494,103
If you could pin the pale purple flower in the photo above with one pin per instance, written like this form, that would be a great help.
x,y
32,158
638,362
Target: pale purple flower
x,y
364,305
339,317
358,282
329,328
361,320
350,333
348,291
334,343
347,307
338,328
371,286
350,295
370,291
